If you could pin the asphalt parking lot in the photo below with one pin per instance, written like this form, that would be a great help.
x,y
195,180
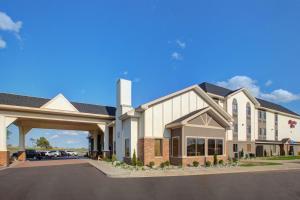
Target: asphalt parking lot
x,y
83,182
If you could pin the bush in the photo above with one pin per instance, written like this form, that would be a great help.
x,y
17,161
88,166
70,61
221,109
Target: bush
x,y
195,163
113,158
208,163
215,159
221,162
167,163
134,160
234,160
151,164
299,153
162,165
139,163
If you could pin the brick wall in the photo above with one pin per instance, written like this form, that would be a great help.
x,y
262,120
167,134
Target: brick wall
x,y
146,151
4,158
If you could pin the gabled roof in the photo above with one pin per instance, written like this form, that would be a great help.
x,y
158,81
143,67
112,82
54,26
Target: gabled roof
x,y
214,89
184,120
221,91
37,102
273,106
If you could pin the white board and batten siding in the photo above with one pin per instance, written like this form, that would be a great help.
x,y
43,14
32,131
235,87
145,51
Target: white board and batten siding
x,y
158,116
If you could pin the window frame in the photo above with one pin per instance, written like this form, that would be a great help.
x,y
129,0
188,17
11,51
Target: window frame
x,y
216,144
196,138
125,148
178,147
235,107
161,147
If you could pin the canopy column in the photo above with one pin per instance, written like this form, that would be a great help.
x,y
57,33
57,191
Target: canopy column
x,y
105,129
22,132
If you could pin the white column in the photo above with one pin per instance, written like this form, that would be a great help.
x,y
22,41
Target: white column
x,y
21,139
104,128
95,134
3,134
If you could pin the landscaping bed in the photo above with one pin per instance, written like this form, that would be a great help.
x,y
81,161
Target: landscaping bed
x,y
284,158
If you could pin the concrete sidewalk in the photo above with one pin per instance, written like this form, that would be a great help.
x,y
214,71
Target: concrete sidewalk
x,y
115,172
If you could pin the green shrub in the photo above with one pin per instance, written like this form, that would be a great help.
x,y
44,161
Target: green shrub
x,y
139,163
195,163
208,163
113,158
162,165
167,163
151,164
299,153
234,160
134,160
215,159
221,162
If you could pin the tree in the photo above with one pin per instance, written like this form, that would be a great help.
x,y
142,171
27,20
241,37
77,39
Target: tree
x,y
43,143
134,160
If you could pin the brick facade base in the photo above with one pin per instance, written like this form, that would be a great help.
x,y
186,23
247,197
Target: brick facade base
x,y
146,151
21,156
4,158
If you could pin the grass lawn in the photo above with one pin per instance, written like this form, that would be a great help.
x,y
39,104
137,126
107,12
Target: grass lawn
x,y
284,158
254,164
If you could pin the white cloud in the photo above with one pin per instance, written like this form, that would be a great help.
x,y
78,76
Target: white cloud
x,y
278,95
176,56
70,133
54,136
181,44
268,83
125,73
238,82
7,24
2,43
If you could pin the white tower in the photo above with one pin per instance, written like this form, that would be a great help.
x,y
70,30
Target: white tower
x,y
123,106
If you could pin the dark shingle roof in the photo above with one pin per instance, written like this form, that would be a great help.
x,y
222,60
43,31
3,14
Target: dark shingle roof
x,y
214,89
36,102
270,105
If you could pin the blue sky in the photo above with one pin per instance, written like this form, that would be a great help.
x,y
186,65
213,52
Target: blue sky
x,y
81,48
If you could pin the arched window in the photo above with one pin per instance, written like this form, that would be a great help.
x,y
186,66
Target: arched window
x,y
248,113
234,107
248,110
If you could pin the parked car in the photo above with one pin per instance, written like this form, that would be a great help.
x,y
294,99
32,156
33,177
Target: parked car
x,y
71,153
63,153
53,154
33,154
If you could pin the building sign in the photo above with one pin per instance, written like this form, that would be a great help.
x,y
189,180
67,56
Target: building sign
x,y
292,123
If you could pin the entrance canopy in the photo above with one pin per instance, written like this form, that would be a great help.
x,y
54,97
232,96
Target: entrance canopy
x,y
57,113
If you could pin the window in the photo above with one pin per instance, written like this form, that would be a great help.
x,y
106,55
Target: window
x,y
235,127
158,147
215,146
249,129
200,148
234,107
127,147
191,146
195,146
175,146
219,147
276,119
235,148
248,110
211,147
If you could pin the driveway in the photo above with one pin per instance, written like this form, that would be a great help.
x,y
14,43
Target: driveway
x,y
84,182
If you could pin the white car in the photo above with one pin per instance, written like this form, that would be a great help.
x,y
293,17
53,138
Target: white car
x,y
71,153
53,154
